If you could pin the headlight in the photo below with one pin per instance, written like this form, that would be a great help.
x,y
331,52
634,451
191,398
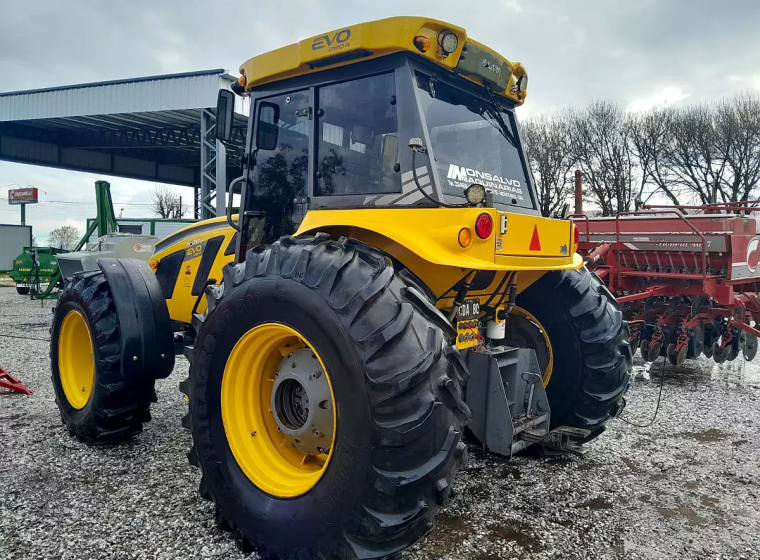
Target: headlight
x,y
448,41
475,194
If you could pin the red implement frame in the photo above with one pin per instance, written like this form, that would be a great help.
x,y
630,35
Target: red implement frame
x,y
11,385
674,285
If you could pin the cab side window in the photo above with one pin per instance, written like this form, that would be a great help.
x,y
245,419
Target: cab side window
x,y
358,137
280,175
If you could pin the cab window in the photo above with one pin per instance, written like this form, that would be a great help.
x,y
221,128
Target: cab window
x,y
357,149
281,174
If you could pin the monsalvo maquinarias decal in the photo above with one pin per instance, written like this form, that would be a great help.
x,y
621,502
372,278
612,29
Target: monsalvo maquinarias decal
x,y
462,177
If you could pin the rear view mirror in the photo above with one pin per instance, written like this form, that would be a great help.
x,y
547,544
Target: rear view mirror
x,y
225,113
267,128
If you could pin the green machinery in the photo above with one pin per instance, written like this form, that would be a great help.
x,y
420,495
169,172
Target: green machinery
x,y
36,271
34,268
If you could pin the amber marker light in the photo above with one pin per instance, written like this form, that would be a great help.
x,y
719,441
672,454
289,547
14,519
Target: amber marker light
x,y
465,237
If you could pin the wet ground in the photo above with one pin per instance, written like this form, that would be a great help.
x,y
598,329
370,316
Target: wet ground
x,y
686,487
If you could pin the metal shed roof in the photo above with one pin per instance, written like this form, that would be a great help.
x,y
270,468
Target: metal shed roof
x,y
144,128
169,92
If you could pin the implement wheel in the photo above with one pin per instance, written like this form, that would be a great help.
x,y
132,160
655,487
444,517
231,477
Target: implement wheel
x,y
644,347
589,370
325,403
22,290
719,353
750,346
97,402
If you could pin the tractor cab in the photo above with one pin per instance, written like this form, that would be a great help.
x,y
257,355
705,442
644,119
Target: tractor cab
x,y
371,117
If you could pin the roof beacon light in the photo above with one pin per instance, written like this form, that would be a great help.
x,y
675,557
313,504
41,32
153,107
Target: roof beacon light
x,y
422,43
448,41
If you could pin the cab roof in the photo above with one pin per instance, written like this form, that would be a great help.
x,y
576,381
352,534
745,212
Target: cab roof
x,y
374,39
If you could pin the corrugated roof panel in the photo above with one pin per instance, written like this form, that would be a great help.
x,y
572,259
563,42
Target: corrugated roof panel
x,y
136,96
77,158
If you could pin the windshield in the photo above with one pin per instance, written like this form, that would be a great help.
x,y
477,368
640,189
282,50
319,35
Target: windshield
x,y
469,144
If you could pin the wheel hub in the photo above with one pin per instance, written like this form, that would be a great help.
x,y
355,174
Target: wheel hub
x,y
301,402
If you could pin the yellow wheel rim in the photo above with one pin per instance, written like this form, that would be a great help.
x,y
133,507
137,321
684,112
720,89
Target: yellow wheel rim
x,y
261,411
76,359
520,312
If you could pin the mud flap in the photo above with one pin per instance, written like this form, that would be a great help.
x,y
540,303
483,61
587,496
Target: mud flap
x,y
147,342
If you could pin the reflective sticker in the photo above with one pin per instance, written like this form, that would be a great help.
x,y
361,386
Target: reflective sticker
x,y
535,242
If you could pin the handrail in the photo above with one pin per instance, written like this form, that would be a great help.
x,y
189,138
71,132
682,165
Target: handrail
x,y
740,205
667,210
572,218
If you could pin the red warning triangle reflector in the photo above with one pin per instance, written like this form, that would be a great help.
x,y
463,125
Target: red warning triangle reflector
x,y
535,242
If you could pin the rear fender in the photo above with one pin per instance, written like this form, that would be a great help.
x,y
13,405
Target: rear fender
x,y
147,340
426,242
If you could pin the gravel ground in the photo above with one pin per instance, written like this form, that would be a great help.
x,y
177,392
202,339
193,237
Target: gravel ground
x,y
687,487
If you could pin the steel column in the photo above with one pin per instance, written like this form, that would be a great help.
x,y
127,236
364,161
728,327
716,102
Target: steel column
x,y
213,195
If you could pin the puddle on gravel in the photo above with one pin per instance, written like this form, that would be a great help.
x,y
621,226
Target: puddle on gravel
x,y
701,371
516,532
596,504
707,436
450,531
692,518
709,501
631,464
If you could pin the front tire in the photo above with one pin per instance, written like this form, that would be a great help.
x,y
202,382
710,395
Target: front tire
x,y
396,389
96,402
589,341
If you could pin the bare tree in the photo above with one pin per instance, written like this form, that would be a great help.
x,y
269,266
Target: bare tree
x,y
546,141
650,134
64,237
696,153
737,124
601,147
167,203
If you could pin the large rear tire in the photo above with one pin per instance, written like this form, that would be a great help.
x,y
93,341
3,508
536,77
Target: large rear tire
x,y
589,342
395,386
97,404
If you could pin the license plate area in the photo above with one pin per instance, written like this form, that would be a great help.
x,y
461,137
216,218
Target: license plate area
x,y
468,326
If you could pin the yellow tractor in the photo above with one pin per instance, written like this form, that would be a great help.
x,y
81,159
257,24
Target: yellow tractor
x,y
387,282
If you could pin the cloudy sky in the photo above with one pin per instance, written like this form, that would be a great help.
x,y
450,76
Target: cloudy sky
x,y
640,54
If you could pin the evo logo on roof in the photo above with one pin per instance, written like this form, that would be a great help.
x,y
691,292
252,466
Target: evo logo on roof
x,y
336,42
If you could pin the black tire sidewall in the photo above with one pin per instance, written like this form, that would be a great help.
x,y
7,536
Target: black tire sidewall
x,y
324,509
551,310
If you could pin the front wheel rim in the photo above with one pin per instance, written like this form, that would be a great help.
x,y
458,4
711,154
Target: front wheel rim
x,y
76,359
278,410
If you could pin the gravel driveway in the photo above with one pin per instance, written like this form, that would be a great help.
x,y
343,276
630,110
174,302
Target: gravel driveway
x,y
687,487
